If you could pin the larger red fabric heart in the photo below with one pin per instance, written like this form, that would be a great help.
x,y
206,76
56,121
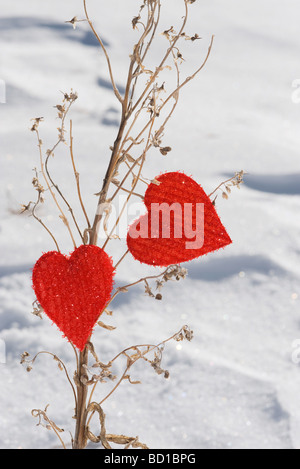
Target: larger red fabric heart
x,y
74,291
181,224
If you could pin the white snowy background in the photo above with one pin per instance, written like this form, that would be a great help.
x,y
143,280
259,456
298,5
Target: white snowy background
x,y
234,386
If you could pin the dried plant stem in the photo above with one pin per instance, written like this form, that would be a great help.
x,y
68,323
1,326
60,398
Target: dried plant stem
x,y
42,223
124,288
121,260
174,95
141,109
94,407
106,184
129,192
63,198
80,438
63,367
131,109
135,183
191,77
237,179
169,51
142,58
116,91
126,113
130,362
77,176
42,415
63,112
131,168
62,216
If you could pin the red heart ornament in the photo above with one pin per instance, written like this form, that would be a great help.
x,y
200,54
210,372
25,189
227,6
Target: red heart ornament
x,y
74,291
194,227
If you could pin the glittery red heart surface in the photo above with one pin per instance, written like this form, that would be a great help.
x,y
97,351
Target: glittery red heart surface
x,y
74,291
158,247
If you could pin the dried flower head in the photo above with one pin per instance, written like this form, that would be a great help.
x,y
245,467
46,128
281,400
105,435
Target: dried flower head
x,y
36,123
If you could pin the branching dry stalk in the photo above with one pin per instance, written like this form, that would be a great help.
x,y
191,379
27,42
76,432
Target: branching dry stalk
x,y
146,101
96,373
146,108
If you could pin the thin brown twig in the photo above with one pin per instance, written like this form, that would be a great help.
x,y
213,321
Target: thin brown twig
x,y
64,199
141,280
42,223
125,177
116,148
43,414
136,68
51,152
121,260
116,91
149,348
136,72
129,192
135,183
56,358
222,184
191,77
63,217
136,56
175,95
76,356
165,58
77,176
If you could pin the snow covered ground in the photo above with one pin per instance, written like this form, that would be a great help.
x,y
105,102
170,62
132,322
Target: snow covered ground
x,y
235,385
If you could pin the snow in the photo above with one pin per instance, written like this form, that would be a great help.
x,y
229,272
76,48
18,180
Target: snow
x,y
235,385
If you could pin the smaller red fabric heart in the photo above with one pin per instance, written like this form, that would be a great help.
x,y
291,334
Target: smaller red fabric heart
x,y
194,227
74,291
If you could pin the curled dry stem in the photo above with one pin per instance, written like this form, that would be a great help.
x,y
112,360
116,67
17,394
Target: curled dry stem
x,y
104,438
47,423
